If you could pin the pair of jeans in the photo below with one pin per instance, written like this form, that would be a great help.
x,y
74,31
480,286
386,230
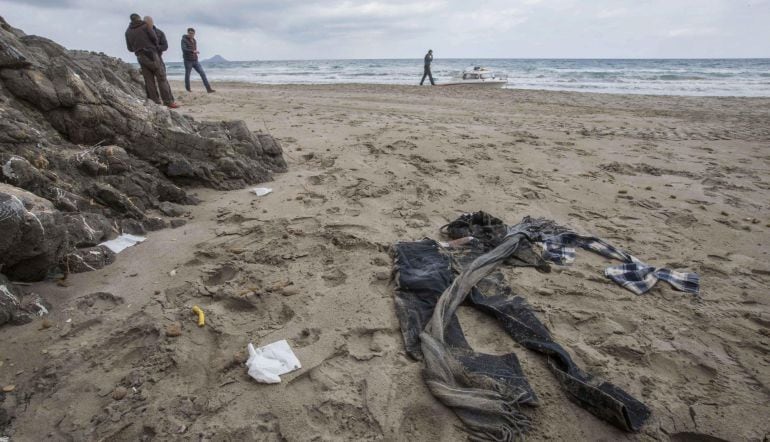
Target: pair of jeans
x,y
428,74
484,390
189,65
154,73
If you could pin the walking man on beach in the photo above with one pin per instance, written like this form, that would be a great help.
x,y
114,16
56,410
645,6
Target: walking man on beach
x,y
143,42
190,56
162,44
426,72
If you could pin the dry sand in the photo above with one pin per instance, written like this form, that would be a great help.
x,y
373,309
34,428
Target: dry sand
x,y
679,182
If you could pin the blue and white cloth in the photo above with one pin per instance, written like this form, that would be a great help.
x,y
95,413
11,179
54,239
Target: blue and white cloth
x,y
633,274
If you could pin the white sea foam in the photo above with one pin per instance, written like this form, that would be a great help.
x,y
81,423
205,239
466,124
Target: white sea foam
x,y
728,77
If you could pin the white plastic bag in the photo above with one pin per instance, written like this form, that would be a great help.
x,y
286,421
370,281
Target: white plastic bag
x,y
122,242
261,191
267,363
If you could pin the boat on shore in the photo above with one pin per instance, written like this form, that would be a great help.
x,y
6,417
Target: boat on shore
x,y
479,76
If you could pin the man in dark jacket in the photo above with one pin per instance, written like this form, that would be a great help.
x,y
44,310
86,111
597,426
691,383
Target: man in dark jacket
x,y
190,56
162,44
426,72
143,42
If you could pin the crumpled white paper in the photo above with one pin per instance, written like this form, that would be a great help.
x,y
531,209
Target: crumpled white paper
x,y
268,362
261,191
122,242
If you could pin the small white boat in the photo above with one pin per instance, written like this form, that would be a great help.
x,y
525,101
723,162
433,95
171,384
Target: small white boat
x,y
478,76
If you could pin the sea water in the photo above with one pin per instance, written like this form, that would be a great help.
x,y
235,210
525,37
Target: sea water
x,y
702,77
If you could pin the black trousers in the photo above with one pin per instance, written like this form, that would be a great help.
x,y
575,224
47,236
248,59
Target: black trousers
x,y
154,73
428,74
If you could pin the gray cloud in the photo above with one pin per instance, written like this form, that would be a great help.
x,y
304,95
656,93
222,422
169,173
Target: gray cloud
x,y
247,29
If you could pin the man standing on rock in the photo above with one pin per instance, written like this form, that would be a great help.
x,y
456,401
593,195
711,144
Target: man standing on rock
x,y
143,42
426,72
190,56
162,44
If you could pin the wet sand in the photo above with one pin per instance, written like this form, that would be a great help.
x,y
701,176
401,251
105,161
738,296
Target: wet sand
x,y
678,182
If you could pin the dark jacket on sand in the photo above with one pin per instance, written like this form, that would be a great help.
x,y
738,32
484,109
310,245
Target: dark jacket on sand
x,y
189,46
139,38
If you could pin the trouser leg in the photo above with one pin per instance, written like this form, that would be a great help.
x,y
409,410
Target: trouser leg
x,y
199,69
165,72
187,69
430,75
148,72
424,74
163,86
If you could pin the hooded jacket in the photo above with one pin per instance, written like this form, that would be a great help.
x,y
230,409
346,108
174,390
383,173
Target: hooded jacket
x,y
162,42
139,38
189,46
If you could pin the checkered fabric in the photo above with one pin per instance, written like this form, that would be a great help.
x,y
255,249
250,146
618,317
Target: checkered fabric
x,y
633,274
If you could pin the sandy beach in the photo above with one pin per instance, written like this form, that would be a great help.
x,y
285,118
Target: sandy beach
x,y
680,182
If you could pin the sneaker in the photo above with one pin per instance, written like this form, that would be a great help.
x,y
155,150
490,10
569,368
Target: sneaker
x,y
172,106
211,91
188,90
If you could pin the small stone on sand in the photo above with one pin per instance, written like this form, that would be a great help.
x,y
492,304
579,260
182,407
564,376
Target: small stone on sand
x,y
119,393
174,329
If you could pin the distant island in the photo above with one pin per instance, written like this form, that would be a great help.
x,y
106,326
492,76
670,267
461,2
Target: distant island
x,y
216,59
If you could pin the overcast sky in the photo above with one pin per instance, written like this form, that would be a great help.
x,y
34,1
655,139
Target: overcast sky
x,y
315,29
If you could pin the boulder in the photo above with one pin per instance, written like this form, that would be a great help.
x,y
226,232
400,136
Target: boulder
x,y
34,234
84,156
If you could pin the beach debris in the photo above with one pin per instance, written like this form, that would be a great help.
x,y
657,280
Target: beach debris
x,y
174,329
261,191
8,388
123,242
267,363
119,393
489,406
201,317
45,323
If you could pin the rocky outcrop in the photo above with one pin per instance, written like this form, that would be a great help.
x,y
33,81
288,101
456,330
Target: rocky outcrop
x,y
83,156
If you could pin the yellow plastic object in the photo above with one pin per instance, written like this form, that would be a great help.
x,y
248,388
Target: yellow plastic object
x,y
201,317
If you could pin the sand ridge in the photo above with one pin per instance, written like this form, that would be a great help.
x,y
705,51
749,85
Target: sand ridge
x,y
678,182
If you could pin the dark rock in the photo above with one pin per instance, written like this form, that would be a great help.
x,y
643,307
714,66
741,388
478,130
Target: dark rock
x,y
5,418
18,308
114,199
32,306
178,222
133,227
77,136
10,300
180,168
88,229
153,223
33,234
88,259
170,209
172,193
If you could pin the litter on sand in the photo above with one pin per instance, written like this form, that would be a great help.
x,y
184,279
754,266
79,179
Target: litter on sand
x,y
122,242
261,191
201,316
488,392
267,363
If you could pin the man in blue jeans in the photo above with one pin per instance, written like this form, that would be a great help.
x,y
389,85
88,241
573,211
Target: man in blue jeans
x,y
190,56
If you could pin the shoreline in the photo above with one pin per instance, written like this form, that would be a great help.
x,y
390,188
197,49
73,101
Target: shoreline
x,y
676,181
179,82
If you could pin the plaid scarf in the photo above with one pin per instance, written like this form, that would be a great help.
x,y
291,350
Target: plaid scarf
x,y
633,274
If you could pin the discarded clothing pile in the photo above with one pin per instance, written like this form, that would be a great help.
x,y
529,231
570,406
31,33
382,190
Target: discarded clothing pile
x,y
486,391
